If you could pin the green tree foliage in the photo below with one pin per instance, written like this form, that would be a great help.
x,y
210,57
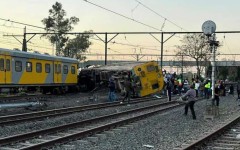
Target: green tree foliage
x,y
222,72
196,47
76,46
230,72
57,23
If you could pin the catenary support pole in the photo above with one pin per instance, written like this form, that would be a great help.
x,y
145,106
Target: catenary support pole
x,y
162,51
106,42
213,66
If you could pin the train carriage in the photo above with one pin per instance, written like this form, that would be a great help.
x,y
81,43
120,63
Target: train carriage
x,y
24,69
146,77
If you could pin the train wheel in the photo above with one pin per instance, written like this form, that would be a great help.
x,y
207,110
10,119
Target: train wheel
x,y
62,90
44,91
55,91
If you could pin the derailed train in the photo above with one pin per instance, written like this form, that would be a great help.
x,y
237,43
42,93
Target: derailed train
x,y
59,74
146,77
32,70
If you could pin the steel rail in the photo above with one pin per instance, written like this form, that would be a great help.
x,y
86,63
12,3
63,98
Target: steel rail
x,y
11,119
26,136
209,136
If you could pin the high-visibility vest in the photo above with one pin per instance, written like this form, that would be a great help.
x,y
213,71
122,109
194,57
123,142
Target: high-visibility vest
x,y
180,81
207,85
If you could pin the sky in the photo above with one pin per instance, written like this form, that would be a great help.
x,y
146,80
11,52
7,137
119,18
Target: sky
x,y
156,15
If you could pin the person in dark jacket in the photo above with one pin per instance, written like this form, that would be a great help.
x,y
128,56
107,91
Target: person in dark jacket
x,y
231,89
216,97
238,89
111,94
128,89
191,97
169,87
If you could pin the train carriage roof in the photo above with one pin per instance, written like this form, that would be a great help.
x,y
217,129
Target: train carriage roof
x,y
36,55
123,66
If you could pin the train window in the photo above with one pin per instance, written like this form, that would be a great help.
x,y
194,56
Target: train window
x,y
28,66
18,66
38,67
73,70
8,64
1,64
155,86
150,68
59,68
65,69
47,68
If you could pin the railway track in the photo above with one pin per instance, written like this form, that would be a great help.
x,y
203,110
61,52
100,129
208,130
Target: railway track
x,y
11,119
225,137
30,97
26,97
62,134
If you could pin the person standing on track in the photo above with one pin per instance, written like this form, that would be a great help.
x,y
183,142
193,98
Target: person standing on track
x,y
238,89
111,95
217,94
169,87
207,89
128,89
238,92
191,97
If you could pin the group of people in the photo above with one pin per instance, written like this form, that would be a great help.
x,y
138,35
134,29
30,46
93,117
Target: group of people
x,y
195,90
219,88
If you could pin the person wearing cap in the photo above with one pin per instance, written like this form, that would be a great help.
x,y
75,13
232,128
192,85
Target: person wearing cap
x,y
191,97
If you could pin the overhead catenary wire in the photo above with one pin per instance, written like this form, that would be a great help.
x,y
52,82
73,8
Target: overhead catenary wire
x,y
165,19
22,23
123,15
125,44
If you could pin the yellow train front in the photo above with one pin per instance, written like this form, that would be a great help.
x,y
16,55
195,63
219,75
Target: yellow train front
x,y
31,70
147,78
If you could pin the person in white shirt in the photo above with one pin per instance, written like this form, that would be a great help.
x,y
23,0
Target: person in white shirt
x,y
196,86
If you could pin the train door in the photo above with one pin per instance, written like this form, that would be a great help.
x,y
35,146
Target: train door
x,y
5,66
8,72
57,72
2,69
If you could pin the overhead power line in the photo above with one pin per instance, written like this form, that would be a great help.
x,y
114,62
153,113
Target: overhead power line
x,y
165,19
132,45
22,23
122,15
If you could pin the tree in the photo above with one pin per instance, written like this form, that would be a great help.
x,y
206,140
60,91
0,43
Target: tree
x,y
195,46
58,24
222,72
76,46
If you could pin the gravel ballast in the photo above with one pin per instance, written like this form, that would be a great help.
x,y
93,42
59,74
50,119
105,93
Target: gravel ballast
x,y
164,131
160,132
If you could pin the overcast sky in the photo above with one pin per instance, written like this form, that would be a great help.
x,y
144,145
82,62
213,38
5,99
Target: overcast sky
x,y
179,15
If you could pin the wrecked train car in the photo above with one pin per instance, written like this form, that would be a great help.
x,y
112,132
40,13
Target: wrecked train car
x,y
146,77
